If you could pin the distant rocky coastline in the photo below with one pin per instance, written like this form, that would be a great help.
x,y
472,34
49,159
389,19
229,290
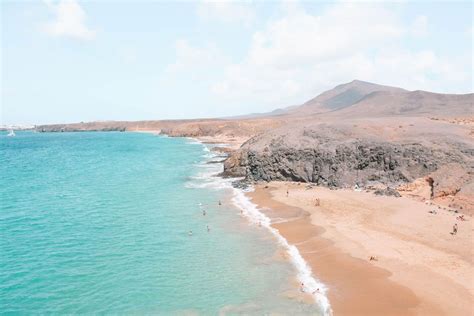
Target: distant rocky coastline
x,y
66,128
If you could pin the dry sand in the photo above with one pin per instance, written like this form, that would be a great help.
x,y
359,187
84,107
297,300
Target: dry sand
x,y
421,269
230,142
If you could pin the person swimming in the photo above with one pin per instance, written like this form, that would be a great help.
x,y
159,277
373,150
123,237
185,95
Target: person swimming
x,y
203,212
302,287
190,233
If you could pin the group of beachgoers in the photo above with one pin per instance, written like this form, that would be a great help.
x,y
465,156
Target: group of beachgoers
x,y
461,217
455,226
204,213
303,289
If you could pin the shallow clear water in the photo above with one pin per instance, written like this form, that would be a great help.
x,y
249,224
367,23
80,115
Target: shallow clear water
x,y
98,222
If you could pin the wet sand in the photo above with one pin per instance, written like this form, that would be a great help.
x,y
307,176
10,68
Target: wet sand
x,y
421,269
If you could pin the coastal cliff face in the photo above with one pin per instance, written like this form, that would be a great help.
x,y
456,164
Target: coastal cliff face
x,y
332,156
340,165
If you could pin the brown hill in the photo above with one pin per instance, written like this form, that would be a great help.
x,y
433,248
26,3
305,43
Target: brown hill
x,y
340,97
406,103
365,99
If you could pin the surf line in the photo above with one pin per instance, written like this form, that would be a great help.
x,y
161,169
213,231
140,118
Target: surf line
x,y
304,274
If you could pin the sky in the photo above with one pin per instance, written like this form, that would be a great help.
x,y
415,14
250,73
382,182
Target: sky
x,y
71,61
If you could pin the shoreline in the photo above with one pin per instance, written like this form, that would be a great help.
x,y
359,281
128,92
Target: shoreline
x,y
416,272
315,290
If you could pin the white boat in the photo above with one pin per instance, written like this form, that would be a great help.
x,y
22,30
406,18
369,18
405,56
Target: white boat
x,y
11,133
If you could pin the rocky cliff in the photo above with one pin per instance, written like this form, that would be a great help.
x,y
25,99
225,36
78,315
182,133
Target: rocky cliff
x,y
332,155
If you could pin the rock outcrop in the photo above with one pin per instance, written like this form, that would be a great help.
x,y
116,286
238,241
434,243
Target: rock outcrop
x,y
325,155
387,192
448,180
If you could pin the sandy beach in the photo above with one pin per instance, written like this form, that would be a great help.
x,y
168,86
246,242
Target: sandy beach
x,y
420,268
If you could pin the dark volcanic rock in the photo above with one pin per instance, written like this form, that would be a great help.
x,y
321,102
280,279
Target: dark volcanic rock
x,y
326,156
387,192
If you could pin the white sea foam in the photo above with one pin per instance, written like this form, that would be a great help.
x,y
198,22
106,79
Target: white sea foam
x,y
207,178
311,285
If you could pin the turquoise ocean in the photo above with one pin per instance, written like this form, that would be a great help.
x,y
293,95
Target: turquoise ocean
x,y
98,223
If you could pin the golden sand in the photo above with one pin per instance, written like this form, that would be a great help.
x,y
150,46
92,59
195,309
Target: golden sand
x,y
420,268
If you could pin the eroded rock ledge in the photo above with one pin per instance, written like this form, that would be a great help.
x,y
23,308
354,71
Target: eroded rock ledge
x,y
328,156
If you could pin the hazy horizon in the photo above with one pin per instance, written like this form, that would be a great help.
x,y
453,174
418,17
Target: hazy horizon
x,y
73,61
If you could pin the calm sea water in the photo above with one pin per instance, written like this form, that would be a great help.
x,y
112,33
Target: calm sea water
x,y
99,222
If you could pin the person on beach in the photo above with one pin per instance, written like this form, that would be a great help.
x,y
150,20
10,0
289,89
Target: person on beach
x,y
316,202
302,287
287,192
455,229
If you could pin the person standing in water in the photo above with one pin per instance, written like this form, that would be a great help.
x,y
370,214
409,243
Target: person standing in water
x,y
203,212
208,229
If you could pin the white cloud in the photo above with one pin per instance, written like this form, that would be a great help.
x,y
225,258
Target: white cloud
x,y
227,11
299,55
302,38
420,26
289,58
69,20
191,58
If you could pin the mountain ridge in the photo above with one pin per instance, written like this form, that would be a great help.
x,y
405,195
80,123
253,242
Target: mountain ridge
x,y
346,96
